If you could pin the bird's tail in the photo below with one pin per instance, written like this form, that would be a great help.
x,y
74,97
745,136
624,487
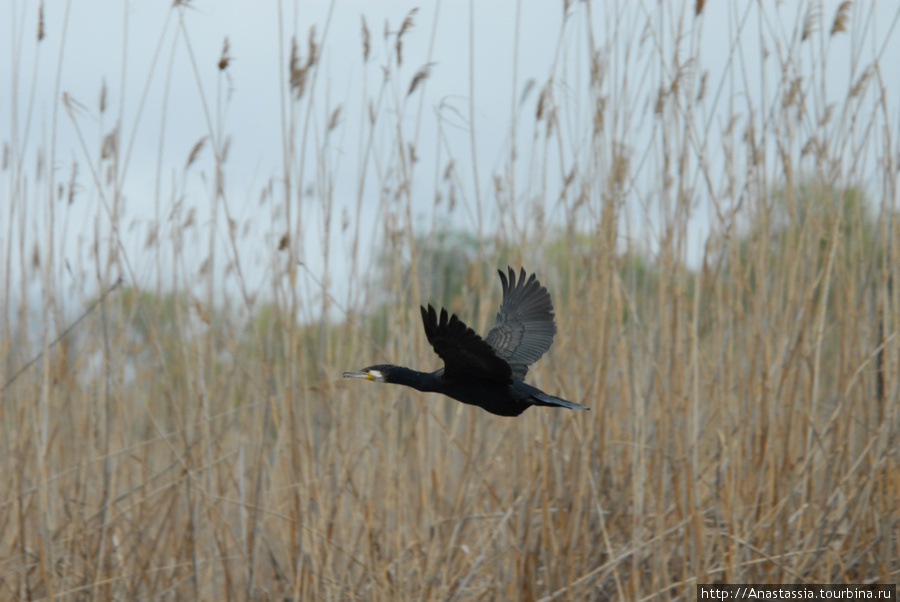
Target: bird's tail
x,y
551,401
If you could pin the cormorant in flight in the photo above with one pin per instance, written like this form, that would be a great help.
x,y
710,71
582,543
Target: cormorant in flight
x,y
488,372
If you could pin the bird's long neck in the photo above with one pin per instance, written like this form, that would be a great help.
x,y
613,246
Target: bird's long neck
x,y
423,381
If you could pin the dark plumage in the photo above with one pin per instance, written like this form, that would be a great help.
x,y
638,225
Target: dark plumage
x,y
487,372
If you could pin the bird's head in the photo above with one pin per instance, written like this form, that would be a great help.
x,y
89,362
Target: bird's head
x,y
379,373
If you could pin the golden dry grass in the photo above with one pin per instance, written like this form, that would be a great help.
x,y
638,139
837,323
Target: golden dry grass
x,y
744,411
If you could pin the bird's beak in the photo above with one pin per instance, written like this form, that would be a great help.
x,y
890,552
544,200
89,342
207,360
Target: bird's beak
x,y
359,374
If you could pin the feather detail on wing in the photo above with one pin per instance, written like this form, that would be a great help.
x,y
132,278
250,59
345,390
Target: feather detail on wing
x,y
524,328
465,354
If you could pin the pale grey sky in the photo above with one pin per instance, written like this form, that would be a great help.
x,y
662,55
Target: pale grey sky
x,y
132,46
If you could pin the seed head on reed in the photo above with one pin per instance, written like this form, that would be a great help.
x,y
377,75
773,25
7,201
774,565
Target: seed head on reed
x,y
365,39
40,31
225,57
811,21
195,151
841,17
419,77
298,70
407,24
335,118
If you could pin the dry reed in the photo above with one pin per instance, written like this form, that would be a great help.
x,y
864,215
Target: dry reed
x,y
744,406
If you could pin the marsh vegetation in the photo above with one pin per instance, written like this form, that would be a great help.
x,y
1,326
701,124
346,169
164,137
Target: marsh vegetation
x,y
192,437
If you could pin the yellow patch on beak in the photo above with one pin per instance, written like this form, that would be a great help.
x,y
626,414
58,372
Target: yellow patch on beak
x,y
373,375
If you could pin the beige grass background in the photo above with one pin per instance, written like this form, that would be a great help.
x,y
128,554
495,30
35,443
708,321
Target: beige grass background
x,y
744,417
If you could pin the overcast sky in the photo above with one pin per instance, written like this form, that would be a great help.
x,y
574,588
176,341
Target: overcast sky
x,y
147,64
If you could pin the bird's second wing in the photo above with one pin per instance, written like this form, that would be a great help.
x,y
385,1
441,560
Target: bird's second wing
x,y
523,329
465,354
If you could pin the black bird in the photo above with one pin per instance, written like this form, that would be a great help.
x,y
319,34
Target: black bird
x,y
488,372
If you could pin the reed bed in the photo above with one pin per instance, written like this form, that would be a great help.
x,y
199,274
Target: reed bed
x,y
190,438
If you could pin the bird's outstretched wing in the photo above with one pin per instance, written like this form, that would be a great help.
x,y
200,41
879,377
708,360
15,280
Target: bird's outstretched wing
x,y
523,329
465,354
